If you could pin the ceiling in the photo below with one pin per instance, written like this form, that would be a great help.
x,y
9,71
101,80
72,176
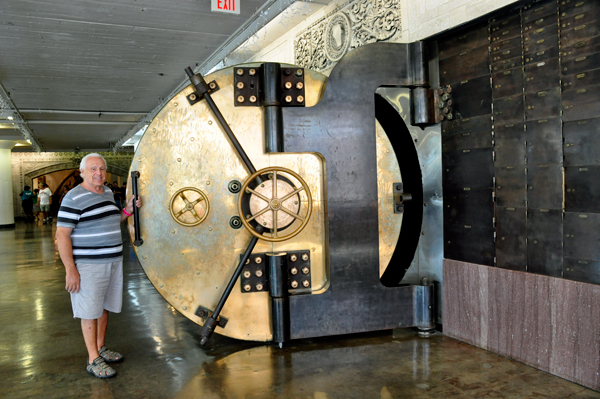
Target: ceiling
x,y
85,74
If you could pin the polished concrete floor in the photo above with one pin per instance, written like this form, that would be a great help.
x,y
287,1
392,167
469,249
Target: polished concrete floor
x,y
42,354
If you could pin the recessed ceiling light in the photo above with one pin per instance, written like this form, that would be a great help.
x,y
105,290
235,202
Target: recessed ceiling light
x,y
10,118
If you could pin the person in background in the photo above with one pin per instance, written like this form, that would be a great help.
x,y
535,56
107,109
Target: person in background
x,y
36,204
88,235
123,192
65,190
27,204
44,196
116,194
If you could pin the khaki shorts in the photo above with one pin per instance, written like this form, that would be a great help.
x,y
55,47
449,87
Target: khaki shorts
x,y
45,208
101,288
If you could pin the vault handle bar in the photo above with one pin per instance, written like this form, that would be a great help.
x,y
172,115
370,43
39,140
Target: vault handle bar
x,y
211,322
202,89
136,211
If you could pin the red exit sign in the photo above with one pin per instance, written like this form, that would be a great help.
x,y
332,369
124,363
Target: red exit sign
x,y
230,6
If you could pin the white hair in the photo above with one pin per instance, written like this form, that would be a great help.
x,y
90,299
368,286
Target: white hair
x,y
92,155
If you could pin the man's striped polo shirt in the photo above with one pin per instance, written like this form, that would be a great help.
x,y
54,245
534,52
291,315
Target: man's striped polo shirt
x,y
96,223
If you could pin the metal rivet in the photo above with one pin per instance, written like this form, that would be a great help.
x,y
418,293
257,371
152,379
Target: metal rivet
x,y
208,183
247,287
173,231
259,287
197,273
305,283
247,261
161,285
240,99
240,85
212,85
288,99
293,258
288,85
240,72
210,122
178,159
294,271
300,99
247,274
305,257
299,85
144,257
258,273
185,308
252,99
299,72
192,139
193,97
252,72
258,259
176,104
305,270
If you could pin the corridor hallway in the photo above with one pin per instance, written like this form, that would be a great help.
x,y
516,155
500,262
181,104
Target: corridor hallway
x,y
42,354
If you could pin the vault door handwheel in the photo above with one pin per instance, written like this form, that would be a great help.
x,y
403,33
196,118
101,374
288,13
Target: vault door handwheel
x,y
190,200
274,204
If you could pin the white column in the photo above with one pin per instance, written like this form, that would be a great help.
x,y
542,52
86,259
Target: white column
x,y
7,213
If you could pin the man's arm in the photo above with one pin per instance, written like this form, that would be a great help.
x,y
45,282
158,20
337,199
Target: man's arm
x,y
65,249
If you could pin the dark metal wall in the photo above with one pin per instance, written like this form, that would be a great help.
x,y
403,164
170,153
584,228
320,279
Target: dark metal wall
x,y
521,156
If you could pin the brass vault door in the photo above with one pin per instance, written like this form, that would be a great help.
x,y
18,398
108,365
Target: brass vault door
x,y
326,200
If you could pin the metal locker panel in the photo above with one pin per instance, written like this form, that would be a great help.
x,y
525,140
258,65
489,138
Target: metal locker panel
x,y
468,243
584,270
540,44
545,186
541,21
509,109
472,97
583,47
580,64
582,142
579,19
469,206
511,186
540,33
502,45
506,28
468,124
581,80
581,103
457,44
465,65
507,64
544,242
582,236
532,12
467,141
569,8
509,144
467,168
541,55
578,33
506,54
507,83
543,104
541,75
582,189
544,141
511,238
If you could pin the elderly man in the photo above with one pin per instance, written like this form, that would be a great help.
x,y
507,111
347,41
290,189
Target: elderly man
x,y
89,241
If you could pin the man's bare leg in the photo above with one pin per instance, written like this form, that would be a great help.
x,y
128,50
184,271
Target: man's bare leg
x,y
90,336
101,329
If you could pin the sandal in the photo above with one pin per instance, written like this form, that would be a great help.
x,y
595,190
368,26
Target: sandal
x,y
110,356
98,368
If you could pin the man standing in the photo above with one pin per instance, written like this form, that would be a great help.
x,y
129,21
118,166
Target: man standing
x,y
44,196
89,241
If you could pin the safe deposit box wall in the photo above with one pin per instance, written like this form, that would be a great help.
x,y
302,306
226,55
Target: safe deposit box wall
x,y
521,155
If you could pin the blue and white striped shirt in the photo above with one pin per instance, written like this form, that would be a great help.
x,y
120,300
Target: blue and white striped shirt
x,y
96,223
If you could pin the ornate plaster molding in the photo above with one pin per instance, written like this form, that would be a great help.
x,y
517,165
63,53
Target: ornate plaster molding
x,y
320,46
